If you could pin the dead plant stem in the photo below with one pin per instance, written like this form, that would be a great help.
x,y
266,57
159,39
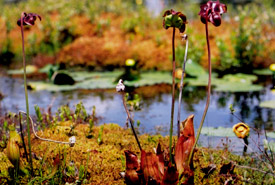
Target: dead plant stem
x,y
181,85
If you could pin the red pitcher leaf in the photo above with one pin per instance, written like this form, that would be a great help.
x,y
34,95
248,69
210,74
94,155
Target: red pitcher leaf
x,y
187,177
131,160
170,176
185,145
151,167
132,168
160,159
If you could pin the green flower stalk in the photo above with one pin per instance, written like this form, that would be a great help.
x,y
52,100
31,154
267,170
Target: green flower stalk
x,y
175,20
27,19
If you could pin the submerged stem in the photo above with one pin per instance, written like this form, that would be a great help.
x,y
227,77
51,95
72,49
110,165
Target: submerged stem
x,y
208,94
173,94
130,119
26,93
181,84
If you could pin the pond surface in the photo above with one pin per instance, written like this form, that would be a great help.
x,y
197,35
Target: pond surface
x,y
154,115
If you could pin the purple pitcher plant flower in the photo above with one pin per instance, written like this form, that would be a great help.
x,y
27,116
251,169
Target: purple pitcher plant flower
x,y
212,11
174,19
28,19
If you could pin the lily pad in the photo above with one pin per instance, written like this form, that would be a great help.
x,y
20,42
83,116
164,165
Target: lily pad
x,y
30,69
237,83
103,80
262,71
218,131
151,78
270,134
194,69
268,104
240,77
237,87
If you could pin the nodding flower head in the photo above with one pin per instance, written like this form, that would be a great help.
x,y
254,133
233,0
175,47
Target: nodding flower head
x,y
174,19
28,19
211,12
120,87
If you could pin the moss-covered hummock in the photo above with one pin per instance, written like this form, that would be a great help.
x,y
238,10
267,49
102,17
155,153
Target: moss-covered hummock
x,y
102,163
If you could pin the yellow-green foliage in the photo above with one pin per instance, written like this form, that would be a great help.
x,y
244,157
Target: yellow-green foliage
x,y
105,161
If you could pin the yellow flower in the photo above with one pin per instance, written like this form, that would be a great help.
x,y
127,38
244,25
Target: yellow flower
x,y
272,67
241,130
130,62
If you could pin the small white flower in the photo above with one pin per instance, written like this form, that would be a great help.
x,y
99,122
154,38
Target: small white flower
x,y
120,86
72,141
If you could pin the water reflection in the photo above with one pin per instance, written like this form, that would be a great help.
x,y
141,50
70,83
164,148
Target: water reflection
x,y
155,105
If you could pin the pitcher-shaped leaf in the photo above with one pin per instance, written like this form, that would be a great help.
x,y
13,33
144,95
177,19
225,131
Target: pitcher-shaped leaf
x,y
171,175
152,166
132,175
185,145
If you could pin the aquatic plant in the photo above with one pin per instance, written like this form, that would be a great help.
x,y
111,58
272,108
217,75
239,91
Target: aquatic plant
x,y
27,19
174,20
210,12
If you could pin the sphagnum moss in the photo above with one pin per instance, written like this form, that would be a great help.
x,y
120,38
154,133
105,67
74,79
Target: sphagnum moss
x,y
105,161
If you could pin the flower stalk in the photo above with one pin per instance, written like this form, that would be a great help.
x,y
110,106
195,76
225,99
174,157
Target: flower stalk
x,y
174,20
210,12
27,19
173,93
208,93
120,88
26,92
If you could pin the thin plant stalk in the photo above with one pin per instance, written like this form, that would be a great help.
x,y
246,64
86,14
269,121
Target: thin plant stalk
x,y
173,93
44,139
26,93
208,94
181,83
130,119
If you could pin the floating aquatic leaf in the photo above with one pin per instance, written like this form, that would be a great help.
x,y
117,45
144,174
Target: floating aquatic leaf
x,y
30,69
240,77
218,132
194,69
237,83
270,134
238,87
262,71
268,104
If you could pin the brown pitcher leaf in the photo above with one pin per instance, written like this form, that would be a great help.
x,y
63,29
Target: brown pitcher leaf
x,y
184,145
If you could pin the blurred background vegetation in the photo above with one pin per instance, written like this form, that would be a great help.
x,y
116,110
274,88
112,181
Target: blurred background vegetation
x,y
101,35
